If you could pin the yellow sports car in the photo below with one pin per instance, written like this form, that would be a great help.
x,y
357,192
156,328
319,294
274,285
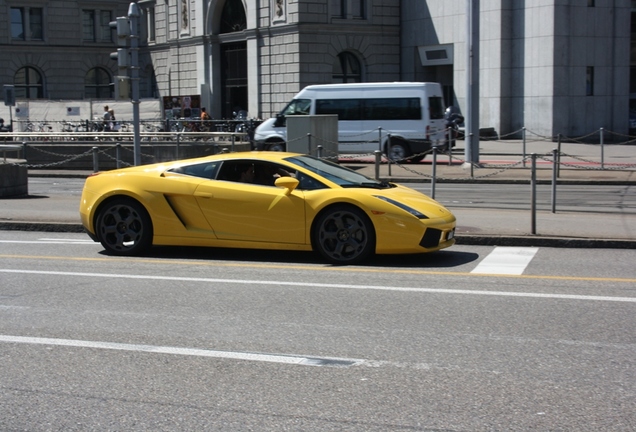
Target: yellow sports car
x,y
261,200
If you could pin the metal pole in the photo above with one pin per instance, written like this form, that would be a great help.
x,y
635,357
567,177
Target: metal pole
x,y
309,144
380,139
523,136
533,197
95,159
378,158
118,155
133,16
554,179
472,81
602,149
388,150
558,159
319,152
434,172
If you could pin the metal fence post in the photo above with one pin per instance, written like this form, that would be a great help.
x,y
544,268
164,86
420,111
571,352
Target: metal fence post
x,y
533,195
118,155
319,152
434,172
523,140
602,149
380,139
233,139
95,159
309,144
24,150
558,159
554,179
378,158
388,151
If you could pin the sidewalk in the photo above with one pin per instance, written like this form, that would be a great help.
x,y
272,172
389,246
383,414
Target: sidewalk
x,y
500,162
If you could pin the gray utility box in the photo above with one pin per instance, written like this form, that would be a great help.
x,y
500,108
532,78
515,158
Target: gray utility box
x,y
306,132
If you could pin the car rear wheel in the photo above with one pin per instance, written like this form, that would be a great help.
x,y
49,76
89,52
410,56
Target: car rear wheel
x,y
124,227
344,235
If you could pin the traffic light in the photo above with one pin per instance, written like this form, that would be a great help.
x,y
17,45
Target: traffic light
x,y
122,56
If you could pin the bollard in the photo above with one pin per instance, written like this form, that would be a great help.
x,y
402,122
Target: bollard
x,y
523,140
558,159
602,150
24,150
554,179
309,144
388,153
118,155
95,159
378,158
434,168
319,152
533,195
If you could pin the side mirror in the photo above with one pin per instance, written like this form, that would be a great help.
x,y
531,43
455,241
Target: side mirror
x,y
289,183
280,120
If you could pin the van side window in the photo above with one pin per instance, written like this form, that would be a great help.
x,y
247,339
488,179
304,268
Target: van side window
x,y
392,109
346,109
436,107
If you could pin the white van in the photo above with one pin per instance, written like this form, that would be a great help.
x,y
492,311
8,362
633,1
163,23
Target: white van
x,y
412,114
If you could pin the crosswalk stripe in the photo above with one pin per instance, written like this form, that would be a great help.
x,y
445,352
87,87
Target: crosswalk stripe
x,y
506,260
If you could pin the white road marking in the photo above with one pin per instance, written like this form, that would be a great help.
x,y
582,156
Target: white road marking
x,y
506,260
182,279
271,358
50,241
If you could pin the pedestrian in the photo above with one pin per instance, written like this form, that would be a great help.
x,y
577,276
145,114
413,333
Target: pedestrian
x,y
111,123
106,118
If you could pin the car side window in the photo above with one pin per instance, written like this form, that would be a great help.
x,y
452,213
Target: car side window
x,y
205,170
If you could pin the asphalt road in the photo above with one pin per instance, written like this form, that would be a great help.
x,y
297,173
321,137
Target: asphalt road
x,y
467,339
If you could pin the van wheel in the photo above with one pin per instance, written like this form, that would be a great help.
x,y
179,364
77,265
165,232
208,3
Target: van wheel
x,y
277,146
398,151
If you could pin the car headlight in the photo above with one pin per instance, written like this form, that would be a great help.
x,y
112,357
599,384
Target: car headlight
x,y
404,207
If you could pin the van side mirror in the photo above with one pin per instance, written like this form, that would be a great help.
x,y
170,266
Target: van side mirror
x,y
280,120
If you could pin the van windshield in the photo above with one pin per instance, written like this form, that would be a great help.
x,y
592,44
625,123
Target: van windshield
x,y
297,107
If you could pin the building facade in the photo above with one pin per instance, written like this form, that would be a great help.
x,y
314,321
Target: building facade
x,y
553,66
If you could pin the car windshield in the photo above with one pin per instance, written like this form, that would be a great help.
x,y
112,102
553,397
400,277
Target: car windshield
x,y
335,173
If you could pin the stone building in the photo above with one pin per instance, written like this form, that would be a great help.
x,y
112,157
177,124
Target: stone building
x,y
552,66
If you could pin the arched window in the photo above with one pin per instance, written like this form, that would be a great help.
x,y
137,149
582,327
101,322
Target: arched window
x,y
346,68
28,83
97,84
233,17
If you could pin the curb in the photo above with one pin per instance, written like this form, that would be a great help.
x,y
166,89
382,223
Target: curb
x,y
461,239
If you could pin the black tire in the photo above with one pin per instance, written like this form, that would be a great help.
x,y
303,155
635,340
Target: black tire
x,y
398,151
343,234
277,146
124,227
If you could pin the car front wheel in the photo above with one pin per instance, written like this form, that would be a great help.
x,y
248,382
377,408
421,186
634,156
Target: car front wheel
x,y
344,235
124,227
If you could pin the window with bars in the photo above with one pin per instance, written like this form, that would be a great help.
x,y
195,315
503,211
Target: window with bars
x,y
28,83
349,9
27,24
97,84
96,26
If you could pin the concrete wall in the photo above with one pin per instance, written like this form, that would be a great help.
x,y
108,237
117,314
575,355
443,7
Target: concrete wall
x,y
13,181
